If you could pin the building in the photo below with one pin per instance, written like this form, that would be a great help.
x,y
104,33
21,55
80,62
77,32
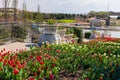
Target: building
x,y
97,23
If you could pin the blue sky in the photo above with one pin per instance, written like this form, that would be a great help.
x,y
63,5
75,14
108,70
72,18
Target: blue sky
x,y
70,6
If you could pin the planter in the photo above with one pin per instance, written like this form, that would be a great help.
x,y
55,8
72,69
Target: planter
x,y
74,40
50,35
51,38
51,29
68,36
61,33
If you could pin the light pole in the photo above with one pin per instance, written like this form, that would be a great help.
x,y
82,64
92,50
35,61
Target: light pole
x,y
108,19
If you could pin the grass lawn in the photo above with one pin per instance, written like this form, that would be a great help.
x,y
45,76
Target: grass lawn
x,y
66,21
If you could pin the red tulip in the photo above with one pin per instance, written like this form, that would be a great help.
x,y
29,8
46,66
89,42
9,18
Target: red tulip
x,y
1,51
20,66
4,49
39,58
35,74
41,62
12,63
16,49
51,76
39,71
42,67
58,51
73,41
31,78
1,60
53,65
15,71
100,78
31,57
5,62
87,78
46,67
17,62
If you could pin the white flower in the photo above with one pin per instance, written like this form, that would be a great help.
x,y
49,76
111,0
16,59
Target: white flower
x,y
111,54
106,57
118,55
114,56
43,42
104,54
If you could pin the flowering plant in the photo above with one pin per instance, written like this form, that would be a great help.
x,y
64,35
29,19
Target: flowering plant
x,y
94,60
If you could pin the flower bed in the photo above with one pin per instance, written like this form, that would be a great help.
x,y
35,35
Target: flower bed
x,y
94,60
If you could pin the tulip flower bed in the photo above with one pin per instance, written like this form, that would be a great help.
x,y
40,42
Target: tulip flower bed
x,y
94,60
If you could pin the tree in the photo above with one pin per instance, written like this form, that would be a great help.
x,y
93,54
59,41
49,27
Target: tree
x,y
39,16
24,14
6,8
18,32
15,4
92,13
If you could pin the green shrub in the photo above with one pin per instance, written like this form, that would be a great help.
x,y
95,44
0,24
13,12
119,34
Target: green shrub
x,y
87,35
79,33
18,32
70,31
4,34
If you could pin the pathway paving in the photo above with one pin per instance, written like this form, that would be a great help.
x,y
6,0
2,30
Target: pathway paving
x,y
14,46
20,46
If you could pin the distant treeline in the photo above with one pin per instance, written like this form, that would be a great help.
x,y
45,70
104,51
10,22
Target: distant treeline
x,y
44,16
39,17
57,15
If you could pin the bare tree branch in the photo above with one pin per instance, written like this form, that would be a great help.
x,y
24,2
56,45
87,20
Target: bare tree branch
x,y
14,5
6,8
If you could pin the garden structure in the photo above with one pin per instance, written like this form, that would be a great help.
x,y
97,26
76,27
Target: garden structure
x,y
51,34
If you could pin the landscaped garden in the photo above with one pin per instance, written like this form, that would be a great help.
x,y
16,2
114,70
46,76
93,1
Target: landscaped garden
x,y
94,60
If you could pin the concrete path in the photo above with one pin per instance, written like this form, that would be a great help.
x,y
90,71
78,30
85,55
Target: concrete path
x,y
20,46
14,46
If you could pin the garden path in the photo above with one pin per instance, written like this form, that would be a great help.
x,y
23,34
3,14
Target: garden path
x,y
20,46
14,46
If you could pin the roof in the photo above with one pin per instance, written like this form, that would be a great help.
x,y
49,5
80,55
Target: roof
x,y
114,16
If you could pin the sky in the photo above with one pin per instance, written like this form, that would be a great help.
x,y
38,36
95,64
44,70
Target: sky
x,y
70,6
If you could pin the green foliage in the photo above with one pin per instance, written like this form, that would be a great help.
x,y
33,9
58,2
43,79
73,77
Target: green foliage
x,y
70,31
87,35
51,21
79,33
38,17
18,32
98,14
4,34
